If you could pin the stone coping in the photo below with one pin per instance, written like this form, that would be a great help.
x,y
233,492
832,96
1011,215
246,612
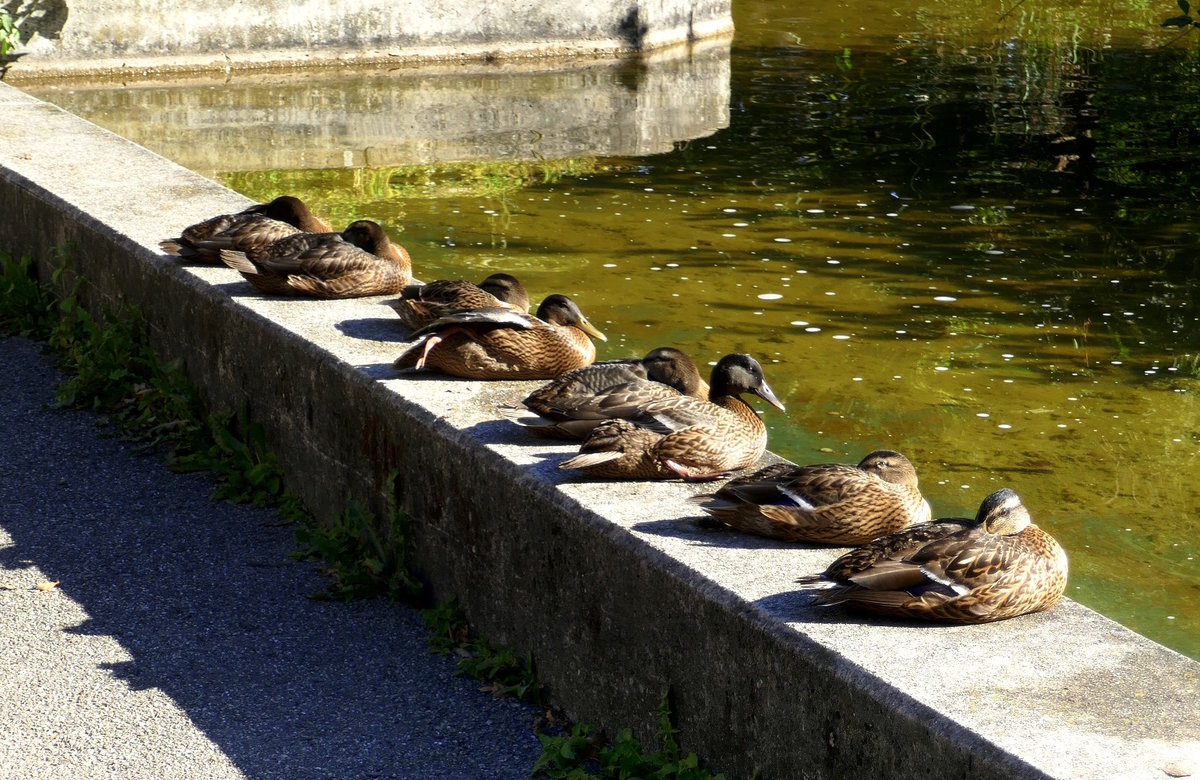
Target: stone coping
x,y
614,589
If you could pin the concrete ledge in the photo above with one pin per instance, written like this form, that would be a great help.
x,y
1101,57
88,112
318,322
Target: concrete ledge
x,y
129,36
615,591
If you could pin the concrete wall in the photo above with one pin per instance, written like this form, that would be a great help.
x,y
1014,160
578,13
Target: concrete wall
x,y
616,592
125,36
376,117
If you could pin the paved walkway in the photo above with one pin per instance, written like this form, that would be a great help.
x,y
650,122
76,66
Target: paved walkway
x,y
180,642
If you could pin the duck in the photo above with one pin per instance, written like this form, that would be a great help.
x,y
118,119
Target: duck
x,y
253,228
359,261
572,405
955,570
827,503
682,437
421,304
499,343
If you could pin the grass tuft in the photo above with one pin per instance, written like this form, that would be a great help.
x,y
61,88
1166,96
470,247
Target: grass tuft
x,y
499,668
581,753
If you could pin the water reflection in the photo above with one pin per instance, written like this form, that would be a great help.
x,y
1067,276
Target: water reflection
x,y
406,116
967,235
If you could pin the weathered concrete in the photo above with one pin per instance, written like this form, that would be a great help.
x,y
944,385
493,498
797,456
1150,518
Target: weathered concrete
x,y
415,116
130,36
615,590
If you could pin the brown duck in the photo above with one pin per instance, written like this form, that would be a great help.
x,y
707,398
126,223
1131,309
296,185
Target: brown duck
x,y
682,436
359,261
570,406
256,227
994,567
830,503
421,304
505,344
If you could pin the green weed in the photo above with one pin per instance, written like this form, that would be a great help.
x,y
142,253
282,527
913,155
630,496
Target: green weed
x,y
10,36
497,666
109,364
234,448
25,307
580,754
360,559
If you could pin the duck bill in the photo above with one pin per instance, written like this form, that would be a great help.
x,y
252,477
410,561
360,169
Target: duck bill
x,y
591,330
765,392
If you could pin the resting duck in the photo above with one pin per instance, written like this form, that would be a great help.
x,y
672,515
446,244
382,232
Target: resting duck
x,y
505,344
682,436
830,503
570,406
359,261
997,566
256,227
421,304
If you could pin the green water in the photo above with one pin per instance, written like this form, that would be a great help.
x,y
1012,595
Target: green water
x,y
968,233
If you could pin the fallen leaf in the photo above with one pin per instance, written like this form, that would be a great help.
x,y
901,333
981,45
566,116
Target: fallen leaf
x,y
47,585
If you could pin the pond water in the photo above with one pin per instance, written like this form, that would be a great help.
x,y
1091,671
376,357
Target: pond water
x,y
964,232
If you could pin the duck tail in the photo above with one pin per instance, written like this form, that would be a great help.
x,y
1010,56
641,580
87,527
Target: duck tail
x,y
238,262
758,520
544,427
586,460
517,414
172,247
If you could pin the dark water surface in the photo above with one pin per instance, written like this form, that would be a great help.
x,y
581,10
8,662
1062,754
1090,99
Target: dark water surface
x,y
968,233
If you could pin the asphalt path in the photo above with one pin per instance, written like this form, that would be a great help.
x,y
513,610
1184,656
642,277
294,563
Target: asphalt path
x,y
180,641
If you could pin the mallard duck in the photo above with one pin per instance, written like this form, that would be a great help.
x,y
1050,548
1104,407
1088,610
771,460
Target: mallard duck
x,y
994,567
570,406
258,226
505,344
830,503
359,261
682,436
421,304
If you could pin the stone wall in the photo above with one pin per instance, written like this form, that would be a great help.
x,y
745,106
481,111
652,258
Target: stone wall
x,y
127,36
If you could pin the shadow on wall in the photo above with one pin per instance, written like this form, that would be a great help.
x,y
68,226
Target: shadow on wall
x,y
44,18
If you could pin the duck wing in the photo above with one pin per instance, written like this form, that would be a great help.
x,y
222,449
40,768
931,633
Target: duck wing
x,y
379,279
252,230
323,255
680,412
482,319
578,389
893,547
828,484
968,559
